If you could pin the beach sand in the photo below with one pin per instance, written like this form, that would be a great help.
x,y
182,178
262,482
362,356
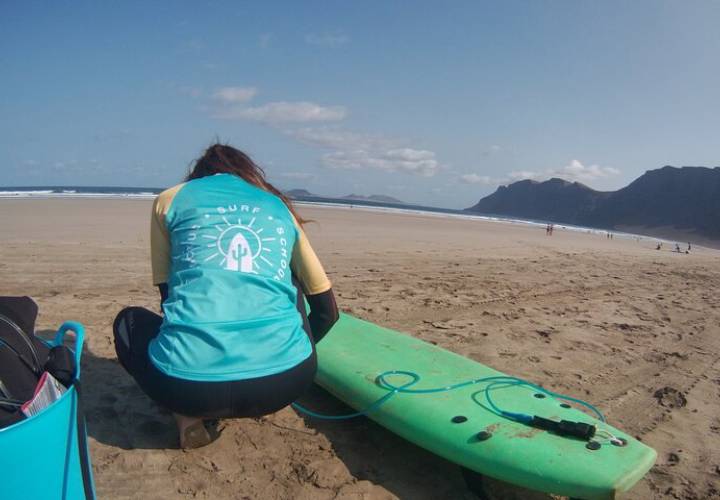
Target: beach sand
x,y
634,330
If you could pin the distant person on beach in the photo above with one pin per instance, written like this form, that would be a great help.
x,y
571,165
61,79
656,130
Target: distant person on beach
x,y
233,342
659,246
677,247
688,248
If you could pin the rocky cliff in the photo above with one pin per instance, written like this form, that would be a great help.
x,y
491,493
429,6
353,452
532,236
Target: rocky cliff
x,y
685,198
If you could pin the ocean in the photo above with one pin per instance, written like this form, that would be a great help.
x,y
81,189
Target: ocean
x,y
150,193
77,192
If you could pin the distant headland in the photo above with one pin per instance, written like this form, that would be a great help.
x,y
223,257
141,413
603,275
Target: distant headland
x,y
668,202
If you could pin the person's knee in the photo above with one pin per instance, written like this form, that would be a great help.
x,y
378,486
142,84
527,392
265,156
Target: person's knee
x,y
121,336
133,329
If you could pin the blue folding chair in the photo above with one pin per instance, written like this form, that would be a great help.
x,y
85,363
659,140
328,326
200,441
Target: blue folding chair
x,y
46,456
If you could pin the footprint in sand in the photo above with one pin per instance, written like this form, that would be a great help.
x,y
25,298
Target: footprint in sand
x,y
715,427
669,397
672,459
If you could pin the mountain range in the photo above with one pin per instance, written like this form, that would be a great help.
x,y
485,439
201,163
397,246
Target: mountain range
x,y
662,202
377,198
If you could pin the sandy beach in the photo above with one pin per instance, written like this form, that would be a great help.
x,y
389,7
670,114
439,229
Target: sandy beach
x,y
634,330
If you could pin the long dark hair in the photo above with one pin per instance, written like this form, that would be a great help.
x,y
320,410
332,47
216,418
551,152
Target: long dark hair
x,y
224,159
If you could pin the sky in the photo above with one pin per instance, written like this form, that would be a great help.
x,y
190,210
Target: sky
x,y
436,103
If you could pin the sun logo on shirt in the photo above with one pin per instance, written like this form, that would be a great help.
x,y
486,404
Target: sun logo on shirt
x,y
241,239
240,244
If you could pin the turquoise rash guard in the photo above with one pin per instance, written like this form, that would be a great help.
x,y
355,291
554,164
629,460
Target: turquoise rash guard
x,y
231,309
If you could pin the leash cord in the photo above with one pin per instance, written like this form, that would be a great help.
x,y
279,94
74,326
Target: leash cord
x,y
493,382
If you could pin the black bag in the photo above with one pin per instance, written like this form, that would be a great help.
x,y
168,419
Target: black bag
x,y
24,357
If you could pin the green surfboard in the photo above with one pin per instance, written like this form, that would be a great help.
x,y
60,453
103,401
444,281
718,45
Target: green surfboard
x,y
355,352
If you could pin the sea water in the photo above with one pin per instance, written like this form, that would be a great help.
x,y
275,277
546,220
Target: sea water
x,y
143,193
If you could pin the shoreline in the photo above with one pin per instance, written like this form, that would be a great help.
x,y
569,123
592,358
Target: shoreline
x,y
626,233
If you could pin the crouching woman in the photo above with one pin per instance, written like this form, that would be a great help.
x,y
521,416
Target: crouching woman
x,y
233,340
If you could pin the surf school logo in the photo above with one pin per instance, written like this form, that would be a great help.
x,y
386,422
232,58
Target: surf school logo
x,y
245,240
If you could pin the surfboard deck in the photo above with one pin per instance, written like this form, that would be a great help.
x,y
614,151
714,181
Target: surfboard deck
x,y
355,352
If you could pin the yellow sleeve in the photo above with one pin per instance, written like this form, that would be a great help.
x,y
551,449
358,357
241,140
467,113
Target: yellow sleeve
x,y
160,236
307,267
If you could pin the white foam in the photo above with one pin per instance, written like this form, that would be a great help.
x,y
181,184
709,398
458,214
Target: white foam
x,y
23,194
74,194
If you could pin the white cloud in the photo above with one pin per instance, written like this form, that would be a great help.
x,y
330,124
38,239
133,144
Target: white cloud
x,y
231,104
234,95
413,161
285,112
574,171
410,155
353,150
335,138
327,39
519,175
478,179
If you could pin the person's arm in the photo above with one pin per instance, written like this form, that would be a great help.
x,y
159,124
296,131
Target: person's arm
x,y
323,313
160,243
316,286
159,250
163,289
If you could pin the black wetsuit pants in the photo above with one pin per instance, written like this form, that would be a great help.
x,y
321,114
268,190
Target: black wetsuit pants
x,y
135,327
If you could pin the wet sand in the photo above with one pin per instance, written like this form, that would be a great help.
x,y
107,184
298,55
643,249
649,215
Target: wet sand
x,y
634,330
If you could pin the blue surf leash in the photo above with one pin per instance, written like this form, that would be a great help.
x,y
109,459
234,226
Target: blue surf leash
x,y
564,427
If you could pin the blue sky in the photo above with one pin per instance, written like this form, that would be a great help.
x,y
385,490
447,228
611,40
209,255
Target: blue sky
x,y
431,102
